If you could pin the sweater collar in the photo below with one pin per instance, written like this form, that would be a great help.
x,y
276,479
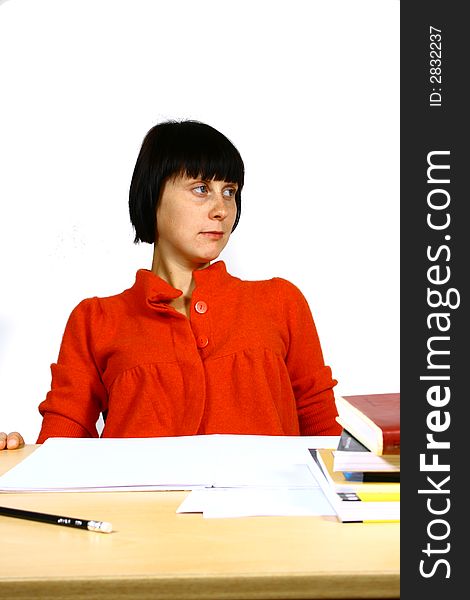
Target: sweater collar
x,y
156,290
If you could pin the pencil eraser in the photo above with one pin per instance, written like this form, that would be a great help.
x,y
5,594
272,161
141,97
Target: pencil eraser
x,y
102,526
106,527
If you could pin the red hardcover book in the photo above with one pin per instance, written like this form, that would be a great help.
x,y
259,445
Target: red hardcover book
x,y
374,419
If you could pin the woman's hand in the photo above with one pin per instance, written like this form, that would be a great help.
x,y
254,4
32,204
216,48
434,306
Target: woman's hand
x,y
12,441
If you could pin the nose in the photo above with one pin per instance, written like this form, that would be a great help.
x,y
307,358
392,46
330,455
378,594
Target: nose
x,y
219,208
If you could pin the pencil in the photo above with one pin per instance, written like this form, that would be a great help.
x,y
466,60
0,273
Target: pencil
x,y
101,526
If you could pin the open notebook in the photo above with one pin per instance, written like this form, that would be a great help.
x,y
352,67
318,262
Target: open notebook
x,y
184,463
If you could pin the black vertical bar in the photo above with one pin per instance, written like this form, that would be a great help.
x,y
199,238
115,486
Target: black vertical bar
x,y
434,272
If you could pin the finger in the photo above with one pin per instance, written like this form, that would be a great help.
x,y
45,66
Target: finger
x,y
14,440
3,440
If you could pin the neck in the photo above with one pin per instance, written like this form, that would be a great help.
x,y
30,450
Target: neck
x,y
179,275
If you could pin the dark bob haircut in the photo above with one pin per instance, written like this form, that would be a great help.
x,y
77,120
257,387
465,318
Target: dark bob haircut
x,y
172,148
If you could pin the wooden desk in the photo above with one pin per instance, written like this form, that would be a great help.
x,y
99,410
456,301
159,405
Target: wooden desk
x,y
155,553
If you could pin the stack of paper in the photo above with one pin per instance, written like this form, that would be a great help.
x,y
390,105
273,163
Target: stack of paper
x,y
234,475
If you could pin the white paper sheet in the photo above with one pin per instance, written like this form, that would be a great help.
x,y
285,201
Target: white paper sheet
x,y
249,502
187,462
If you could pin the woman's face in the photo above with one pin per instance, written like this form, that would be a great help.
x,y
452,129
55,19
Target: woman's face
x,y
194,219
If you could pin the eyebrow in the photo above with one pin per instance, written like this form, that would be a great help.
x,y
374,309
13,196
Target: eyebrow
x,y
205,180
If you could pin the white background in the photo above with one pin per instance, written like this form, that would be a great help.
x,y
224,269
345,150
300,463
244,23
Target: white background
x,y
307,90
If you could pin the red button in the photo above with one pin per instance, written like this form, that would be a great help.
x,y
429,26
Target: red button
x,y
202,341
201,307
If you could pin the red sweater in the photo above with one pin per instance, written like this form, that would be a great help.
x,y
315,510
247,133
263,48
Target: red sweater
x,y
248,361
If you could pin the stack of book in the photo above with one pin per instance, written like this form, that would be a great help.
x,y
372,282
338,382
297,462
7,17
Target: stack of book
x,y
362,475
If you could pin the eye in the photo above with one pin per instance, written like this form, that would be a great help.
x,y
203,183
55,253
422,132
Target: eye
x,y
200,189
230,192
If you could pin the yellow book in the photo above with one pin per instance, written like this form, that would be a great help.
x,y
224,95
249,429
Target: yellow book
x,y
381,521
378,497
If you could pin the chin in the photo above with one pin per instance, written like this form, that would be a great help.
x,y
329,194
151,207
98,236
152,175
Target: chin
x,y
211,258
208,254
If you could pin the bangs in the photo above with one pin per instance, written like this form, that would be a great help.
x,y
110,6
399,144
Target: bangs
x,y
199,151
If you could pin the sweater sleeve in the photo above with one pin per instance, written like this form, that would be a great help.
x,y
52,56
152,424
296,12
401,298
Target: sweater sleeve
x,y
77,395
311,379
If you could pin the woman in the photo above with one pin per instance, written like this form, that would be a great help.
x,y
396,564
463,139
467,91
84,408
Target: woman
x,y
189,349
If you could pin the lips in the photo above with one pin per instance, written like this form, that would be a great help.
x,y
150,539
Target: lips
x,y
217,234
